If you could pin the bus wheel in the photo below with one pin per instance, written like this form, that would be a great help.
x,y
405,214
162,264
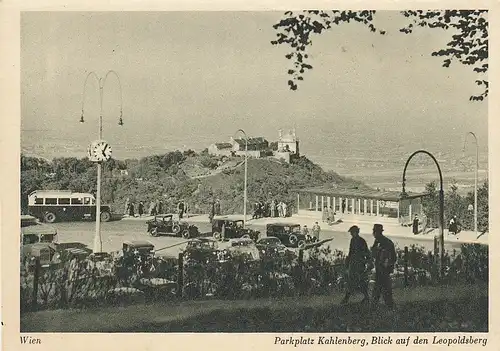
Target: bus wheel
x,y
49,217
105,216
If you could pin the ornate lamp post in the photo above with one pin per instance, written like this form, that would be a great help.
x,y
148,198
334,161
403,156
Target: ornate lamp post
x,y
100,147
441,203
246,177
475,177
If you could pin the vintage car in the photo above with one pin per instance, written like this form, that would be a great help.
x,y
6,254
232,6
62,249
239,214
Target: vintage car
x,y
32,231
138,247
169,224
231,227
270,244
201,249
243,247
289,234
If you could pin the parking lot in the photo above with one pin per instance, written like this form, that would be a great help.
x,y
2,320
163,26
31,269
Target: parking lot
x,y
116,232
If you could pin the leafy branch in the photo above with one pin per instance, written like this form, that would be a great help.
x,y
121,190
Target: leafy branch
x,y
468,29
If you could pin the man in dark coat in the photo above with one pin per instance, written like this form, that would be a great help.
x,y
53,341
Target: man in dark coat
x,y
415,225
384,254
217,208
356,263
180,209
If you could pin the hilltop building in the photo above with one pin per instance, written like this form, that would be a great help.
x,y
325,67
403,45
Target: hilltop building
x,y
287,147
288,142
220,149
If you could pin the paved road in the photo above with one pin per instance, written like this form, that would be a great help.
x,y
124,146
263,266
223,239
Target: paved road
x,y
116,232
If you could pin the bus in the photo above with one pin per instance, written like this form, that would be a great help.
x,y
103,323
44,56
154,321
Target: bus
x,y
64,205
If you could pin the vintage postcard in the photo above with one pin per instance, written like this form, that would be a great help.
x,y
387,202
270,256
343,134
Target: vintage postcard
x,y
278,175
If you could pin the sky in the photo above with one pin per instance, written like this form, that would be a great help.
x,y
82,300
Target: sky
x,y
194,78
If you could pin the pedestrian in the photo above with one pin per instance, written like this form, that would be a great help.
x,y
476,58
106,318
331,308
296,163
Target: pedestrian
x,y
331,215
284,207
255,210
273,208
384,254
280,209
140,208
217,211
453,227
356,264
316,229
131,209
324,216
415,225
127,206
180,209
152,208
159,207
343,205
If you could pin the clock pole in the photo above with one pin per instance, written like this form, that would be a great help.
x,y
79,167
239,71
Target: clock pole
x,y
97,237
101,82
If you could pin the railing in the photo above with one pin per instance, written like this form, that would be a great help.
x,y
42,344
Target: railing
x,y
201,274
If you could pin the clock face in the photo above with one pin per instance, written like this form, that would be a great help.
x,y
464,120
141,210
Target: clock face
x,y
99,151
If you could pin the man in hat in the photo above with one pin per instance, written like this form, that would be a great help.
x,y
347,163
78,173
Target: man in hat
x,y
356,263
384,254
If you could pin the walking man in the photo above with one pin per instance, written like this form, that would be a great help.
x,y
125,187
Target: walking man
x,y
273,208
217,207
180,209
385,257
415,225
356,263
343,205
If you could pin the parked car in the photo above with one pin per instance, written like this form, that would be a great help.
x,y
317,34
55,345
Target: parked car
x,y
233,228
169,224
243,247
138,247
203,249
32,231
270,244
289,234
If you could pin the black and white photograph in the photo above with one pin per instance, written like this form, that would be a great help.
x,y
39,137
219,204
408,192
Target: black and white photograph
x,y
288,172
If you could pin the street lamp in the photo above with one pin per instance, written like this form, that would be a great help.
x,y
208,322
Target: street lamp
x,y
101,82
475,177
441,202
246,177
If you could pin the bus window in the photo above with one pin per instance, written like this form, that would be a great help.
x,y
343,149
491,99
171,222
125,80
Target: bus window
x,y
64,201
76,201
39,201
86,201
51,201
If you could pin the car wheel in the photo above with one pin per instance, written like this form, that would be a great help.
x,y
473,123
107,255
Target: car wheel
x,y
105,216
217,236
176,228
292,239
50,217
246,236
301,244
154,232
186,234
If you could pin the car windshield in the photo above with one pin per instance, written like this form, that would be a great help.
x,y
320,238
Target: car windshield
x,y
295,229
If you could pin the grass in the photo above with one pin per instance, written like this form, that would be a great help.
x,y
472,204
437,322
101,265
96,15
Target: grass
x,y
444,308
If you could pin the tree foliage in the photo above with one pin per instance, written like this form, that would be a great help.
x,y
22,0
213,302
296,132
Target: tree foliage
x,y
468,42
457,205
161,177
